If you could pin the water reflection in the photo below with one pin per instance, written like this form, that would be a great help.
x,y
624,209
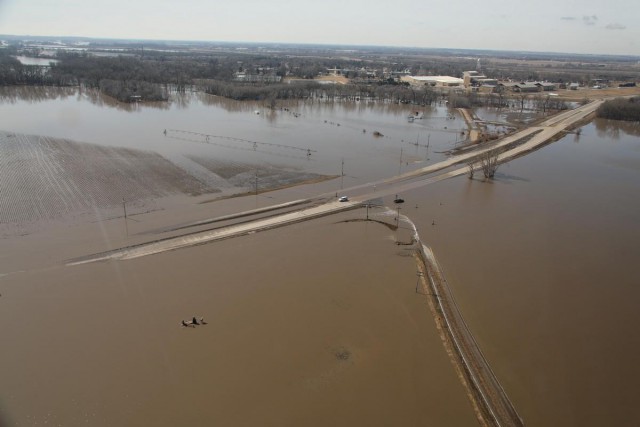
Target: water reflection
x,y
180,99
13,94
508,178
36,94
183,100
612,128
228,104
336,129
99,99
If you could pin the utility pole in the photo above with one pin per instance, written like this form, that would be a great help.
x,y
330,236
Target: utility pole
x,y
342,175
256,188
126,226
367,211
400,165
398,227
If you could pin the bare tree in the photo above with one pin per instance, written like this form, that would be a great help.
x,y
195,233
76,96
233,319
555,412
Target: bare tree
x,y
522,97
471,167
489,163
542,102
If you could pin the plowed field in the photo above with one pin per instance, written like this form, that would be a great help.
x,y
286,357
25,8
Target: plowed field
x,y
44,179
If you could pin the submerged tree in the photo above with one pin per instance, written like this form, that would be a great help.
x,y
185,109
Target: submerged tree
x,y
489,163
471,168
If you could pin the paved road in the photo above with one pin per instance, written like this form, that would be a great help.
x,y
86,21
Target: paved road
x,y
488,393
538,135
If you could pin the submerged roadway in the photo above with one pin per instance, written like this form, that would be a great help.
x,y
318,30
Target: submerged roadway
x,y
510,146
488,395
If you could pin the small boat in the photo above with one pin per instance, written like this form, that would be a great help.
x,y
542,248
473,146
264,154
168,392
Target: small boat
x,y
398,199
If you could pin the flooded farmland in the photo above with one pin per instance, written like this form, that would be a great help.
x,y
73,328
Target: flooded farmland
x,y
334,131
540,261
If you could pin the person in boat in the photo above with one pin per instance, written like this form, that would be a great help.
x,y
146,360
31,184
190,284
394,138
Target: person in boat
x,y
194,321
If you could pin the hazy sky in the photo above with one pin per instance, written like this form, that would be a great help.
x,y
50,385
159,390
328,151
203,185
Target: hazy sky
x,y
578,26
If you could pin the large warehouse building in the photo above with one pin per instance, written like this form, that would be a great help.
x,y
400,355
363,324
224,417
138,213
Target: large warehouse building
x,y
447,81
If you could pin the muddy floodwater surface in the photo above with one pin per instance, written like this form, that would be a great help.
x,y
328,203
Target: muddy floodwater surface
x,y
298,333
319,323
340,135
542,262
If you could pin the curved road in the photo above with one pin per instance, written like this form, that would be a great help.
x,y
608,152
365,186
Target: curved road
x,y
488,393
537,136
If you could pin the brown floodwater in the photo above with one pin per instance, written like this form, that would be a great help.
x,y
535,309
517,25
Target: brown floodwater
x,y
336,132
297,333
541,261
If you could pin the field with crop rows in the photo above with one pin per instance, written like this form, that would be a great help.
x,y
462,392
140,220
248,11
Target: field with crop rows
x,y
44,178
48,179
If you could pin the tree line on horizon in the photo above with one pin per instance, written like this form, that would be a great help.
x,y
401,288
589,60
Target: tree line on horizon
x,y
133,76
152,75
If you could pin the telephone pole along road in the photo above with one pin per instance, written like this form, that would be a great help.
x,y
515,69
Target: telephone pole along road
x,y
537,136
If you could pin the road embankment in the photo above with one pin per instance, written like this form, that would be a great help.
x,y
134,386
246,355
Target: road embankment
x,y
492,404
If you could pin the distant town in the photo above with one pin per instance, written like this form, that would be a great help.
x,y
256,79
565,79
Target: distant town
x,y
135,71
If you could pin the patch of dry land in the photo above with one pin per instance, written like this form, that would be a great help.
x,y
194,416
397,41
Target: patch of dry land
x,y
318,323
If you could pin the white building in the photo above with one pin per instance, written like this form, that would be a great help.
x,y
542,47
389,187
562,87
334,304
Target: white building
x,y
447,81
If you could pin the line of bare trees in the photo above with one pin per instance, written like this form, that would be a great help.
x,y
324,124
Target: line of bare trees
x,y
133,90
13,72
394,93
541,102
621,109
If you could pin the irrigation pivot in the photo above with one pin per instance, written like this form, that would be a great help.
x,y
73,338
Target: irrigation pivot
x,y
206,139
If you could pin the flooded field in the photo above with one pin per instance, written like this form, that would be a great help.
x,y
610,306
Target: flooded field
x,y
321,316
208,145
542,264
46,179
297,333
336,132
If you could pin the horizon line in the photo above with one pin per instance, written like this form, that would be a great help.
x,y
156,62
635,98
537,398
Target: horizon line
x,y
324,44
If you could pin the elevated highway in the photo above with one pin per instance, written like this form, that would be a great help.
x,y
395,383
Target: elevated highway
x,y
513,145
495,408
